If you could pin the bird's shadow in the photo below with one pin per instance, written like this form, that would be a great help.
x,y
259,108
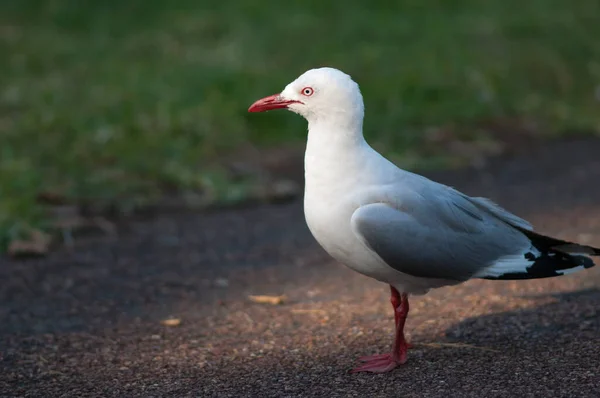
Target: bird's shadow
x,y
570,316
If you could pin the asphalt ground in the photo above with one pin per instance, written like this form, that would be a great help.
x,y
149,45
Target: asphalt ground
x,y
86,321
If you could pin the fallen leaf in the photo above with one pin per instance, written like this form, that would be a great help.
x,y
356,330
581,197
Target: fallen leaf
x,y
36,244
171,322
273,300
308,311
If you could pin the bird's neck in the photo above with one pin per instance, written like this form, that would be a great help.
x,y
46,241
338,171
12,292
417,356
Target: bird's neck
x,y
332,148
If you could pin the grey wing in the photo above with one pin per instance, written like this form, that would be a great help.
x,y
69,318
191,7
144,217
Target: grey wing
x,y
450,203
489,206
447,239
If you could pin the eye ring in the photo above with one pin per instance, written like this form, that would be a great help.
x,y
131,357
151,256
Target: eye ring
x,y
307,91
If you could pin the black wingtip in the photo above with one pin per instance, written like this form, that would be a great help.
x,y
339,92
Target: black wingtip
x,y
544,243
547,265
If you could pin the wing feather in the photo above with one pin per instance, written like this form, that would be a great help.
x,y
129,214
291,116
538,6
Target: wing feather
x,y
441,239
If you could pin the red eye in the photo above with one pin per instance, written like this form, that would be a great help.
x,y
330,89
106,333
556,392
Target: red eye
x,y
307,91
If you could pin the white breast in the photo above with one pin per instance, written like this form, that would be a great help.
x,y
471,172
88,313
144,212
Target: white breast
x,y
329,221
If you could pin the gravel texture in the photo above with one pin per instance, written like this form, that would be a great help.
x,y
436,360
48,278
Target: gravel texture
x,y
86,321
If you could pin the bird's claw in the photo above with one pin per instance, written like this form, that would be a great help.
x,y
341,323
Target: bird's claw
x,y
377,364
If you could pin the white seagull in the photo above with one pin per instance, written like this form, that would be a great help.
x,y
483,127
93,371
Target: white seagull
x,y
396,226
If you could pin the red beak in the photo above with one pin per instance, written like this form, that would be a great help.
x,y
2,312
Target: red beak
x,y
271,102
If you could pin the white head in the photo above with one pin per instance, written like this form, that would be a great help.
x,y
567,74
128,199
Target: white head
x,y
324,95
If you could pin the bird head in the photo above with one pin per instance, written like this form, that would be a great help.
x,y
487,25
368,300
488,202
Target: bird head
x,y
318,94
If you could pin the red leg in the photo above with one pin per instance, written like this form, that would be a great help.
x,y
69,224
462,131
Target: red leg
x,y
398,301
385,362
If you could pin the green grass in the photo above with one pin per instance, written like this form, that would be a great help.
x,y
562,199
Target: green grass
x,y
112,101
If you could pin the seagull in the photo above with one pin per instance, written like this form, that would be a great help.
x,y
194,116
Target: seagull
x,y
398,227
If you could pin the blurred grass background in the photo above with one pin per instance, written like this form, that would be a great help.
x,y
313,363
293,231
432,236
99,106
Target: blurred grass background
x,y
115,101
